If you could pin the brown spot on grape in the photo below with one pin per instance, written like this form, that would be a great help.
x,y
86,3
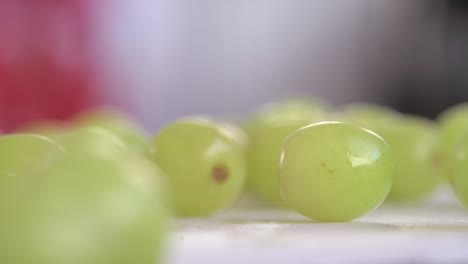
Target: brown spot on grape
x,y
220,173
325,166
437,160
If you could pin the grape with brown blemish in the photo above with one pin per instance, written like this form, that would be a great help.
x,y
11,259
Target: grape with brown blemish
x,y
205,167
220,173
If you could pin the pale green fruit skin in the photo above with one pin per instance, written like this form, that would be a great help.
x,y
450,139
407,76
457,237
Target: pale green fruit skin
x,y
414,143
93,141
458,174
146,175
263,156
369,116
267,132
117,122
453,124
335,172
80,210
190,152
102,143
236,133
22,154
368,111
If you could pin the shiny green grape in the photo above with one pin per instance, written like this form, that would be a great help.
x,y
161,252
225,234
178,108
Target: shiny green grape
x,y
458,164
267,131
81,210
205,168
334,172
22,154
413,142
118,123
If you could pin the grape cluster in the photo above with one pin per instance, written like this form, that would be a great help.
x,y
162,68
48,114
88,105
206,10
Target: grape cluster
x,y
98,189
339,165
82,192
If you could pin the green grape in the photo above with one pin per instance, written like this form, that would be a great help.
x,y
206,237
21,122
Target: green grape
x,y
413,142
145,175
453,124
333,171
458,161
93,140
81,210
22,154
238,135
267,131
102,143
368,115
118,123
205,168
285,112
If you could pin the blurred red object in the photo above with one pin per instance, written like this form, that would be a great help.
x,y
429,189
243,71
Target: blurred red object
x,y
45,60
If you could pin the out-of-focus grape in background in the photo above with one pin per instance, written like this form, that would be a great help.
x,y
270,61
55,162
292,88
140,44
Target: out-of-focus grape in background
x,y
168,58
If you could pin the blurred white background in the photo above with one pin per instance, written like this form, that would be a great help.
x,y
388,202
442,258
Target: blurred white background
x,y
218,57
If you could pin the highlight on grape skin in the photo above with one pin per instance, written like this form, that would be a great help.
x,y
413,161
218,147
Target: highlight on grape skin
x,y
335,172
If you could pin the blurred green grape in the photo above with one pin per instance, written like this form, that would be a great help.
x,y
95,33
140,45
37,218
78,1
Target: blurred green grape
x,y
93,141
458,164
267,131
24,154
205,168
117,122
368,115
237,134
81,210
453,124
414,144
